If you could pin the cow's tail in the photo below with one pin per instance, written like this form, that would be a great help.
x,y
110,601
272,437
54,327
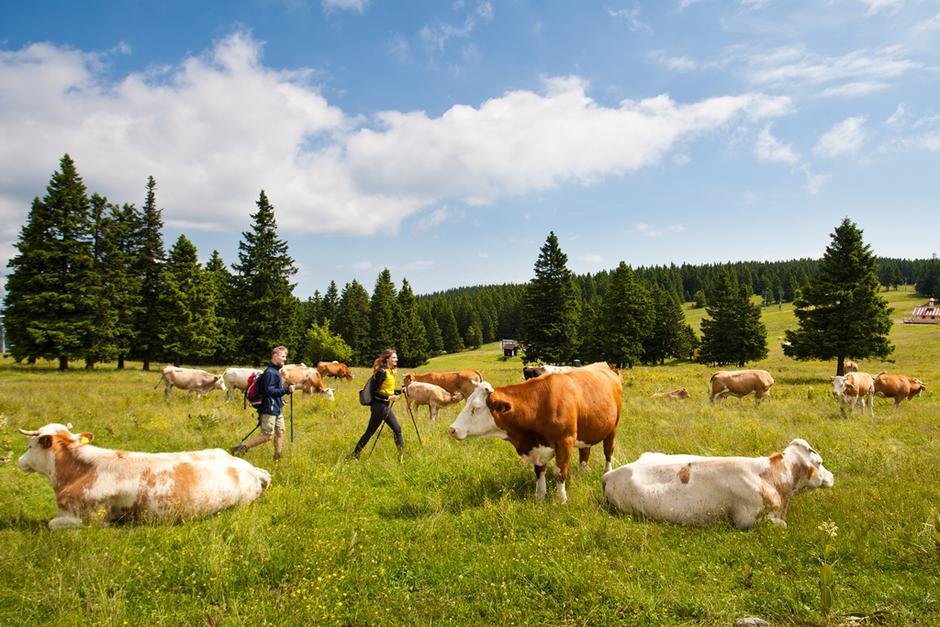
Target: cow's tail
x,y
162,379
479,374
879,374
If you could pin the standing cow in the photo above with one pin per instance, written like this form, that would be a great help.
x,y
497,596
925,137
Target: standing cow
x,y
855,388
237,379
334,369
898,387
548,416
192,380
740,383
418,393
463,381
114,486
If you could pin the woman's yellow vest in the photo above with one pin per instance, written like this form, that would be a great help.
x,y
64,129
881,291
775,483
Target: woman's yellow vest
x,y
388,386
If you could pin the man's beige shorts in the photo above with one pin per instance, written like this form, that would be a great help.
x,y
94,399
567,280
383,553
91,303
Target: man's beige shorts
x,y
270,423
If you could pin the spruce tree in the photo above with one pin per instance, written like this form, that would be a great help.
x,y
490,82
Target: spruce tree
x,y
840,313
352,322
125,284
383,314
413,347
549,320
221,283
329,306
626,318
189,300
150,254
435,338
667,337
48,314
733,333
263,271
928,284
100,294
446,320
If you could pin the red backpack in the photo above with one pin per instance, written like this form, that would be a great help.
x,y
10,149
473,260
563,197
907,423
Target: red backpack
x,y
253,392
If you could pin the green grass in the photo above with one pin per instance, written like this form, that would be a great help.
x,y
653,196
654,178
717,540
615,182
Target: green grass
x,y
454,535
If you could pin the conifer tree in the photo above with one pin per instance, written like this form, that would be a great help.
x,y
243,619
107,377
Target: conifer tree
x,y
667,337
330,304
733,333
125,224
446,320
189,300
150,254
413,344
549,321
352,322
626,317
840,313
263,271
220,281
383,314
47,314
100,293
928,284
435,338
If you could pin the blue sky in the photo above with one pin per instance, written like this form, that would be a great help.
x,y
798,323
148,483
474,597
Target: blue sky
x,y
444,140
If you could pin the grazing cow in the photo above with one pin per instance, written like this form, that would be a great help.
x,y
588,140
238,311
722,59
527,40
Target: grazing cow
x,y
99,483
740,383
855,387
434,396
462,381
334,369
676,395
293,374
237,378
530,372
548,417
696,490
191,380
898,387
313,382
849,366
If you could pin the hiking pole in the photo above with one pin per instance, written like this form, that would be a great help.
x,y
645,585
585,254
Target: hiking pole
x,y
413,421
252,431
377,436
292,417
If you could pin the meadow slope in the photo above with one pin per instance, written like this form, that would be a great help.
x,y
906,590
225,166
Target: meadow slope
x,y
454,536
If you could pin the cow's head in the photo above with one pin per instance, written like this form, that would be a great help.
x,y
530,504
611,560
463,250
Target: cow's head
x,y
838,384
918,387
40,453
477,419
329,393
218,383
806,467
682,393
456,397
409,377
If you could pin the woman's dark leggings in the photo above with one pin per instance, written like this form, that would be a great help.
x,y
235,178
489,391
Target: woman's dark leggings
x,y
380,411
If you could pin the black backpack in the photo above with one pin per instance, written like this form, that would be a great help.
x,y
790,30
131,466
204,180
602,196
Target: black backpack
x,y
365,394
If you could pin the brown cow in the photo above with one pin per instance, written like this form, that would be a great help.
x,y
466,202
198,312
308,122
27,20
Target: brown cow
x,y
676,395
434,396
740,383
463,381
334,369
313,382
855,387
849,366
547,417
293,374
898,387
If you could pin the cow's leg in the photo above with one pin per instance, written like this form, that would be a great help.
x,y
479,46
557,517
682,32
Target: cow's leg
x,y
166,392
540,489
562,458
609,450
65,520
897,402
584,454
871,405
432,411
757,396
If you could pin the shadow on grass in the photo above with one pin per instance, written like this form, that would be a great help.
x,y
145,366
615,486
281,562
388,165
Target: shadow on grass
x,y
23,524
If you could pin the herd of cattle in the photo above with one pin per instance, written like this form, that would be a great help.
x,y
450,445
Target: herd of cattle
x,y
555,410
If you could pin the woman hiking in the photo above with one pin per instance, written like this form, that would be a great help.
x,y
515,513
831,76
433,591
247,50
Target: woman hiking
x,y
383,395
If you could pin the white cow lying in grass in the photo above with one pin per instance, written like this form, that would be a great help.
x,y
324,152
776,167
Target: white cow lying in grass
x,y
92,482
696,490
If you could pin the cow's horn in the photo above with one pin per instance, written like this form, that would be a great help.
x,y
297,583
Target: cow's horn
x,y
29,433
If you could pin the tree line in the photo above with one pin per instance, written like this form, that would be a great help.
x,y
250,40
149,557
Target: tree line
x,y
92,280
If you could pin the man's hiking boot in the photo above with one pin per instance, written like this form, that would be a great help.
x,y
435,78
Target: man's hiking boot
x,y
238,450
277,456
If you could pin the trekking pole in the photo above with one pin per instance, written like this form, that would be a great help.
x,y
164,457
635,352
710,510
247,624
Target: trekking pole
x,y
413,421
252,431
376,440
292,418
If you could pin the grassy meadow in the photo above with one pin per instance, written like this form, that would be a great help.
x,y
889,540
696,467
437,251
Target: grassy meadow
x,y
453,535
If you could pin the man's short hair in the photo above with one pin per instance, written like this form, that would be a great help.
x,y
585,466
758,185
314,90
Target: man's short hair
x,y
279,349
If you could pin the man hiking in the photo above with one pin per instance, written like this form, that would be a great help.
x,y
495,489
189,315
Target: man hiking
x,y
270,418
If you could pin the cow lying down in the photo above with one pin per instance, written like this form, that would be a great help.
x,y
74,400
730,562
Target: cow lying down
x,y
99,483
695,490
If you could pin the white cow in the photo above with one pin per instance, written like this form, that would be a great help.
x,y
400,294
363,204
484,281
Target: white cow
x,y
98,483
696,490
189,379
237,378
855,388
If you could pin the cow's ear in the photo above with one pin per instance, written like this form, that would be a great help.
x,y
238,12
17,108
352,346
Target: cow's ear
x,y
501,407
86,437
45,441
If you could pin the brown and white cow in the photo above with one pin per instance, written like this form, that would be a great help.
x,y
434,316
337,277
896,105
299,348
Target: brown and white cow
x,y
855,388
849,366
548,416
334,369
418,393
676,395
696,490
313,382
898,387
189,379
463,381
293,374
237,379
740,383
98,483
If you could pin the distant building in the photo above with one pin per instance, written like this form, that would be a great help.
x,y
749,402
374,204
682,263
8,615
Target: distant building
x,y
925,314
510,347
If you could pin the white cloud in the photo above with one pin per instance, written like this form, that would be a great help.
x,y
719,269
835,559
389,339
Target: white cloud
x,y
432,219
685,4
217,128
769,148
929,24
677,64
590,258
844,138
653,232
631,16
814,182
876,6
485,10
898,117
345,5
849,90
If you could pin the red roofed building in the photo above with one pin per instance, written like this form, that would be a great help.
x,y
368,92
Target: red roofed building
x,y
925,314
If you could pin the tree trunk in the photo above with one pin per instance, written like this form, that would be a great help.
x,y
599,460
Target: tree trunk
x,y
63,362
89,363
177,361
146,363
120,362
840,366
